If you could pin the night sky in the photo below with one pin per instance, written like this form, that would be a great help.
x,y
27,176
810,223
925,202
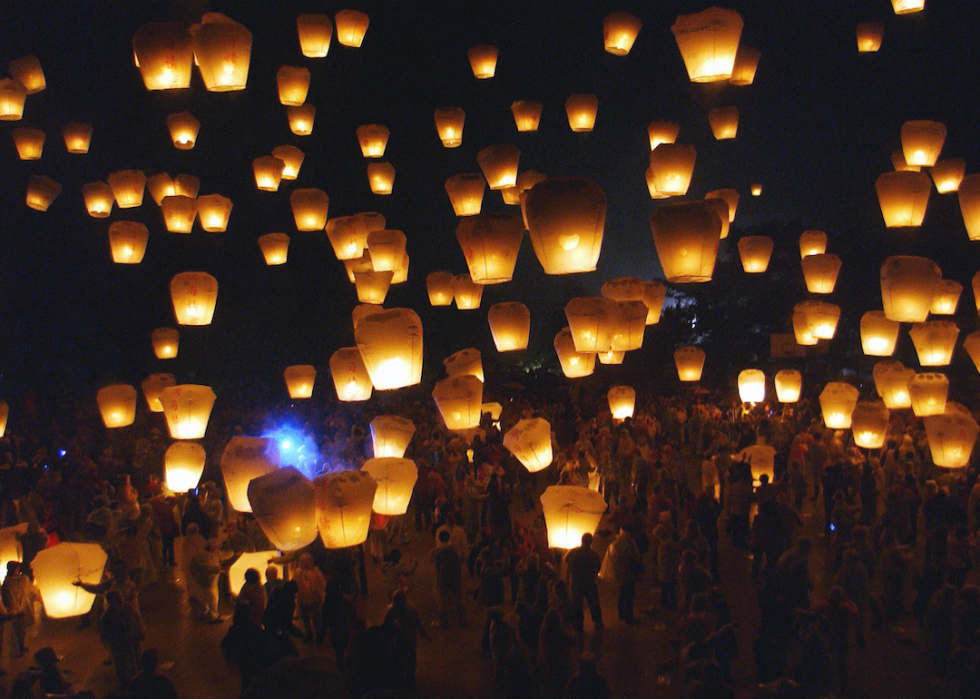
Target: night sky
x,y
816,129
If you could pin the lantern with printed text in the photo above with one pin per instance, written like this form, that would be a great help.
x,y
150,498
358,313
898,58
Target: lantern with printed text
x,y
98,199
619,31
391,346
566,218
449,126
160,185
574,364
372,287
466,193
309,208
12,96
194,295
672,165
391,435
969,197
284,504
530,443
623,289
381,177
483,60
117,404
951,436
755,251
686,236
662,132
127,188
222,50
591,320
724,122
358,266
179,213
153,386
569,512
908,285
752,386
343,507
294,84
396,479
468,361
315,32
28,72
689,362
439,286
188,186
350,376
163,53
275,248
869,36
837,402
581,111
165,342
351,27
903,197
301,119
622,400
746,65
922,141
243,459
928,393
292,160
458,399
812,243
466,292
183,465
510,325
527,114
41,191
387,249
29,143
499,165
947,174
947,298
373,139
300,379
214,210
878,334
789,385
708,42
934,341
820,273
490,244
56,569
347,238
127,242
187,408
268,173
869,424
183,130
892,383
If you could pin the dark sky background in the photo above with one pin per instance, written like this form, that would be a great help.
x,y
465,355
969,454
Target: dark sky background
x,y
817,127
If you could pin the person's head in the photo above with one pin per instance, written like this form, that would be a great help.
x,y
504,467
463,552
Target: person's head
x,y
13,568
193,529
399,598
444,537
764,479
587,540
46,657
306,561
271,573
149,660
252,576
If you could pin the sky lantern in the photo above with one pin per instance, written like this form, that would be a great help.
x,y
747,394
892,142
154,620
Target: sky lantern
x,y
490,244
689,362
258,560
969,196
214,210
934,341
160,185
222,49
466,193
812,243
466,292
928,394
396,479
117,403
183,465
301,119
439,286
569,512
292,160
971,343
724,122
947,174
294,84
908,285
947,298
188,186
466,361
163,53
591,320
359,265
127,242
372,286
789,385
892,383
300,379
183,130
28,72
574,364
530,443
878,334
187,408
449,126
720,207
41,191
344,500
619,30
951,436
654,293
315,32
869,36
351,27
268,173
922,141
820,273
823,318
755,251
527,114
662,132
391,435
869,424
275,248
373,139
4,414
672,165
309,208
194,295
400,273
746,65
611,357
581,110
907,7
898,162
179,213
165,342
903,197
98,199
622,400
629,323
499,165
12,96
459,399
284,504
57,568
391,346
686,235
730,196
387,248
347,237
566,218
350,376
29,143
623,289
803,329
510,325
756,190
243,459
837,402
127,188
381,177
483,60
153,386
708,42
752,386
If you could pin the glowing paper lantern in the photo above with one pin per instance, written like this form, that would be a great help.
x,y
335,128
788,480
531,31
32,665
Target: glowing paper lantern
x,y
898,162
439,286
268,173
222,50
466,193
117,404
243,459
214,210
654,293
581,111
789,385
903,197
878,334
187,408
837,402
28,72
343,507
165,342
358,266
969,197
527,114
724,122
951,436
906,7
922,142
309,208
449,126
381,177
499,165
756,190
372,287
465,362
284,504
347,237
29,143
160,185
813,243
294,84
591,321
662,132
12,96
566,218
689,362
387,249
299,380
258,560
947,298
188,186
720,207
755,251
934,341
569,512
623,289
746,64
315,32
396,479
672,165
301,119
708,42
98,199
869,424
483,60
56,568
530,443
619,31
127,242
183,130
892,383
510,325
928,393
822,317
869,36
391,435
275,248
4,414
391,347
573,364
820,273
41,191
752,386
373,139
686,235
908,285
350,376
466,292
947,174
802,329
971,343
179,213
292,160
459,399
629,322
153,386
194,295
163,53
184,466
127,188
622,400
490,244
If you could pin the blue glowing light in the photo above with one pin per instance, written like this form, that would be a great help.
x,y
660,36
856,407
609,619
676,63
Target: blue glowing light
x,y
296,449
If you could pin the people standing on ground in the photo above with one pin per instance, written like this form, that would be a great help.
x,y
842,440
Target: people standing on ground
x,y
582,570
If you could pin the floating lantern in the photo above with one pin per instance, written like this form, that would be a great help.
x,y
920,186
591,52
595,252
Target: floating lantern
x,y
214,210
686,235
813,243
922,142
908,285
611,357
347,238
483,60
969,196
98,199
401,271
466,193
343,507
906,7
350,376
4,414
573,364
396,479
465,362
179,213
689,362
527,114
820,273
165,342
449,126
755,251
222,49
284,504
12,96
466,292
720,207
29,143
951,436
591,321
183,130
391,347
903,197
391,435
566,218
510,325
789,385
672,165
822,317
530,443
869,36
622,400
629,322
163,53
127,242
127,188
275,248
934,341
654,294
946,298
187,408
569,512
28,72
892,383
928,393
947,174
309,208
315,32
41,191
188,186
662,132
243,459
623,289
971,343
360,265
161,185
898,162
581,111
619,31
194,295
708,42
183,465
490,244
381,177
837,402
372,287
299,380
499,165
292,160
752,386
730,196
301,119
746,65
351,27
153,386
802,329
268,173
387,249
458,399
56,569
294,84
373,139
878,334
869,424
439,286
724,122
117,403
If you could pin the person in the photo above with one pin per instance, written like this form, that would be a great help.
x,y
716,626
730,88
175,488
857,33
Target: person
x,y
339,616
243,644
404,620
122,633
50,679
150,684
311,592
253,592
836,616
555,658
18,599
587,683
627,561
582,569
449,580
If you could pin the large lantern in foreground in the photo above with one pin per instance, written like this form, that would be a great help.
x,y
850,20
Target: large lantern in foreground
x,y
391,347
243,459
449,126
622,400
300,379
396,479
510,325
57,568
708,42
903,197
187,408
530,443
459,399
581,112
789,385
165,342
566,218
391,435
573,364
951,436
569,512
127,242
837,402
934,341
686,235
878,334
483,60
222,50
284,503
752,386
153,386
922,142
928,393
820,273
350,376
163,55
869,424
908,285
689,362
619,31
892,383
343,507
183,465
117,403
194,295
